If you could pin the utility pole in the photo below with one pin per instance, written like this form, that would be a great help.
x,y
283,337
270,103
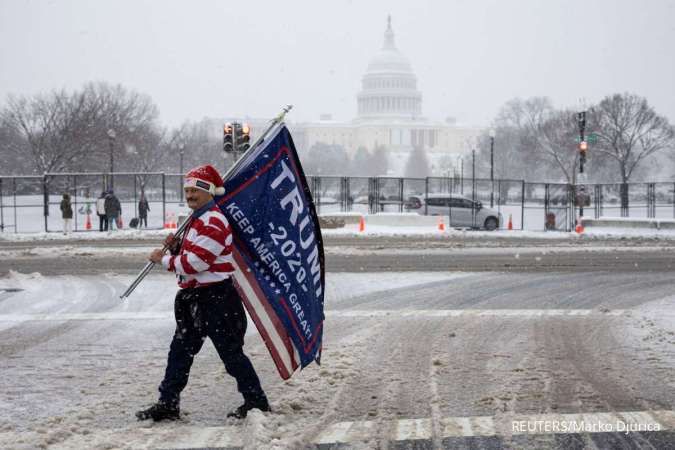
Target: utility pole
x,y
181,149
492,168
583,146
473,187
111,145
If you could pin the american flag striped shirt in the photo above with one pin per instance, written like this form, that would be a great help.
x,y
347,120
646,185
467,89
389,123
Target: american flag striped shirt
x,y
205,255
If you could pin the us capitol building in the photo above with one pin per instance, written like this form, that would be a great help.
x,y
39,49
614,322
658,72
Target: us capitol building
x,y
389,109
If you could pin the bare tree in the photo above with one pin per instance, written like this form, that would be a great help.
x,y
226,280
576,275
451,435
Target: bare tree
x,y
13,151
629,131
49,125
68,131
198,146
515,152
554,135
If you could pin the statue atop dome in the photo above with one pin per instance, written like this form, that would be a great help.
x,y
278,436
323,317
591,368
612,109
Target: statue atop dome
x,y
389,36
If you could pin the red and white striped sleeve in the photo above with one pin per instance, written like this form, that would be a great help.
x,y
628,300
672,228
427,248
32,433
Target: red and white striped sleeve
x,y
208,238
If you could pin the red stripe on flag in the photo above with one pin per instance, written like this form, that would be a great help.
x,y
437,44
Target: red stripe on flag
x,y
281,367
269,310
271,314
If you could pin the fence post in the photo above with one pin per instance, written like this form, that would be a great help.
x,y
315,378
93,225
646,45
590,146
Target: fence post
x,y
45,199
400,194
522,205
2,212
426,196
598,200
163,199
499,197
317,184
75,212
136,198
16,226
651,200
624,200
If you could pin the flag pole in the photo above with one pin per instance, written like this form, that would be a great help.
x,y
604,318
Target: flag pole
x,y
148,267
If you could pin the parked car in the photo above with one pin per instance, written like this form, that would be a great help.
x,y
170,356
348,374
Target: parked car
x,y
461,211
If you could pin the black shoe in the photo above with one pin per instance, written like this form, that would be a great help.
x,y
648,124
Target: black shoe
x,y
248,405
159,411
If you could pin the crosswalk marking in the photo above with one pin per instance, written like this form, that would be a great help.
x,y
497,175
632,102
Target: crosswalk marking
x,y
486,426
178,436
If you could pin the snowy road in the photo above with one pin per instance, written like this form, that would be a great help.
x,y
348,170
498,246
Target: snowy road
x,y
378,254
411,360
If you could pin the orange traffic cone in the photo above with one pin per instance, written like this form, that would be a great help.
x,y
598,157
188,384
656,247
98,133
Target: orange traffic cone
x,y
87,223
510,226
579,228
167,223
441,225
174,222
362,224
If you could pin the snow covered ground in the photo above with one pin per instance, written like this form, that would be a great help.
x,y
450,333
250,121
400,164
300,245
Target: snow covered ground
x,y
370,231
77,362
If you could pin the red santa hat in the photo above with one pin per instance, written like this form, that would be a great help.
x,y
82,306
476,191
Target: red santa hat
x,y
205,178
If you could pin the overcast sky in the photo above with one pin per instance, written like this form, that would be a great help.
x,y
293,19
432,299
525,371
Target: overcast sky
x,y
222,58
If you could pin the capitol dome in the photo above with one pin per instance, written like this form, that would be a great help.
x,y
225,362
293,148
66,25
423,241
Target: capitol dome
x,y
389,86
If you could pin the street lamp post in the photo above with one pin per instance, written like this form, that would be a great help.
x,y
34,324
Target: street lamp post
x,y
111,144
492,168
181,148
581,121
473,187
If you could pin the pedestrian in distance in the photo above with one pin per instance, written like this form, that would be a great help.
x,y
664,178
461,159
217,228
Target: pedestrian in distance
x,y
143,208
113,209
207,305
100,212
67,214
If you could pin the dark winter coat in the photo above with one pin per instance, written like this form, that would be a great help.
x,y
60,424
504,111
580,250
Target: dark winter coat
x,y
66,208
112,206
143,208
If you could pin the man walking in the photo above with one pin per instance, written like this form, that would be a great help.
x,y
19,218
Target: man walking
x,y
113,209
143,208
207,303
100,212
67,214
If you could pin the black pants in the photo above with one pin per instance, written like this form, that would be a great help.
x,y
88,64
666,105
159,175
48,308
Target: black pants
x,y
217,312
102,222
142,219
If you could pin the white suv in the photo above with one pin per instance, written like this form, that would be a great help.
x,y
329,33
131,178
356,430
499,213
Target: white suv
x,y
460,211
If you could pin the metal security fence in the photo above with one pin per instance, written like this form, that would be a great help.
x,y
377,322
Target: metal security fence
x,y
32,203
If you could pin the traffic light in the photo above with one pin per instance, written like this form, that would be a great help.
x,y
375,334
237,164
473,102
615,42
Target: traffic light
x,y
583,147
228,143
242,137
245,142
581,121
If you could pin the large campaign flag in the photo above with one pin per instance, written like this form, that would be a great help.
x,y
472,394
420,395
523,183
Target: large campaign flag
x,y
278,250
